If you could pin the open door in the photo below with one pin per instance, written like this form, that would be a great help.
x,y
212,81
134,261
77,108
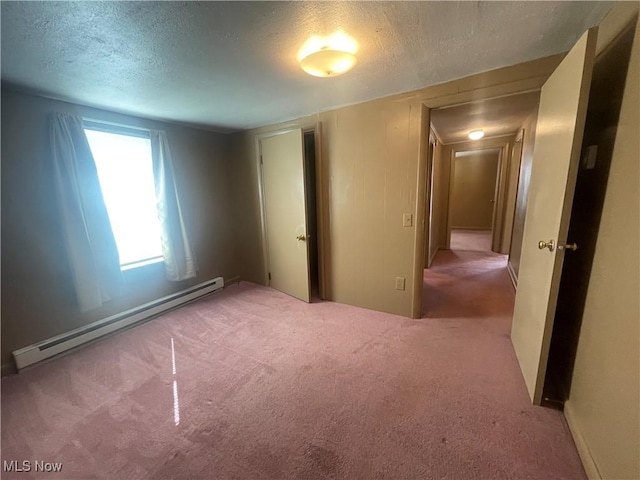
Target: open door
x,y
284,195
556,154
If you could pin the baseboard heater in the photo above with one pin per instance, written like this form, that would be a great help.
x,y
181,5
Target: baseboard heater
x,y
53,346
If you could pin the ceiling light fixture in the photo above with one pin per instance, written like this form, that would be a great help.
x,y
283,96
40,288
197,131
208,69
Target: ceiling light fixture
x,y
476,134
328,56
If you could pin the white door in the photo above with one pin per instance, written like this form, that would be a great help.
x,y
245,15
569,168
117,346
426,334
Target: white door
x,y
282,158
556,154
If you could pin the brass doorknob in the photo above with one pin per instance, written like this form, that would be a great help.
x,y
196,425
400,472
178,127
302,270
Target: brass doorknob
x,y
550,245
301,238
568,246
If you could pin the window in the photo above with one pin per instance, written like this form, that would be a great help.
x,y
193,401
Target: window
x,y
125,171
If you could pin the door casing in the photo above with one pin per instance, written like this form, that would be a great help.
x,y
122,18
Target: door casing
x,y
426,105
500,188
316,128
430,152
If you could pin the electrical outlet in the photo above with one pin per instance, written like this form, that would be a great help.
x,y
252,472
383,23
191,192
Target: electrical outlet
x,y
407,220
400,283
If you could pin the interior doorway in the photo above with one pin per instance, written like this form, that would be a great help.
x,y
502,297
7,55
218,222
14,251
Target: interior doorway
x,y
288,178
310,180
561,118
473,186
472,199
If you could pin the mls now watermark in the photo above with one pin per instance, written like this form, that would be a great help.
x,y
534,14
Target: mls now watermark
x,y
29,466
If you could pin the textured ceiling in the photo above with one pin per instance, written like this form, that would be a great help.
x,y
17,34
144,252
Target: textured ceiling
x,y
233,64
497,116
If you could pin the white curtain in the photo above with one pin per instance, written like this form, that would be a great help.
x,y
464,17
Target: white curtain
x,y
179,258
91,247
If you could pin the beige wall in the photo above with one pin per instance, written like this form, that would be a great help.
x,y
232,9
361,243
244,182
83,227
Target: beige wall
x,y
515,247
473,190
604,404
368,177
513,182
510,206
38,299
504,144
444,178
437,215
369,153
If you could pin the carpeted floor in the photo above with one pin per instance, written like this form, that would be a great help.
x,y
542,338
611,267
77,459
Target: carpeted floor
x,y
471,240
267,387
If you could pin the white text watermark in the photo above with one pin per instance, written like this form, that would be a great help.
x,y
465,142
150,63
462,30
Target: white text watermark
x,y
31,466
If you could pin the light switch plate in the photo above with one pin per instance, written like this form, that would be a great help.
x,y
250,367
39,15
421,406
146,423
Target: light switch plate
x,y
400,283
407,220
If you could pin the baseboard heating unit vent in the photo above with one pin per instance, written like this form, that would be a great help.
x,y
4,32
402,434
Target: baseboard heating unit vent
x,y
53,346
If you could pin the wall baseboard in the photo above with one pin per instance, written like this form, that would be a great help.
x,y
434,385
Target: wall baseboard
x,y
479,229
433,255
512,275
54,346
588,462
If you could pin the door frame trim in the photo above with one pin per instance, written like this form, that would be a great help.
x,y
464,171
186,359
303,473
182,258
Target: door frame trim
x,y
316,128
502,89
305,127
503,144
433,143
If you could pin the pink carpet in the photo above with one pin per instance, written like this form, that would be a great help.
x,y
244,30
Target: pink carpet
x,y
471,240
267,387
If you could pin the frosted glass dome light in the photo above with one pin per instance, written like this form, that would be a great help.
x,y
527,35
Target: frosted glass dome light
x,y
328,63
328,56
476,134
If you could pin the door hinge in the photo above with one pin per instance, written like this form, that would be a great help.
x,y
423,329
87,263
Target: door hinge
x,y
260,159
269,275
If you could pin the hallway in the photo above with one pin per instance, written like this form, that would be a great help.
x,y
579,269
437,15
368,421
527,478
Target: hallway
x,y
474,240
469,281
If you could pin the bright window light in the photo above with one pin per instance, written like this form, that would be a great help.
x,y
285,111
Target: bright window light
x,y
125,171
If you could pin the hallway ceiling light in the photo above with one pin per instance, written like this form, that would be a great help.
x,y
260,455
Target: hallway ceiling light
x,y
328,56
476,134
